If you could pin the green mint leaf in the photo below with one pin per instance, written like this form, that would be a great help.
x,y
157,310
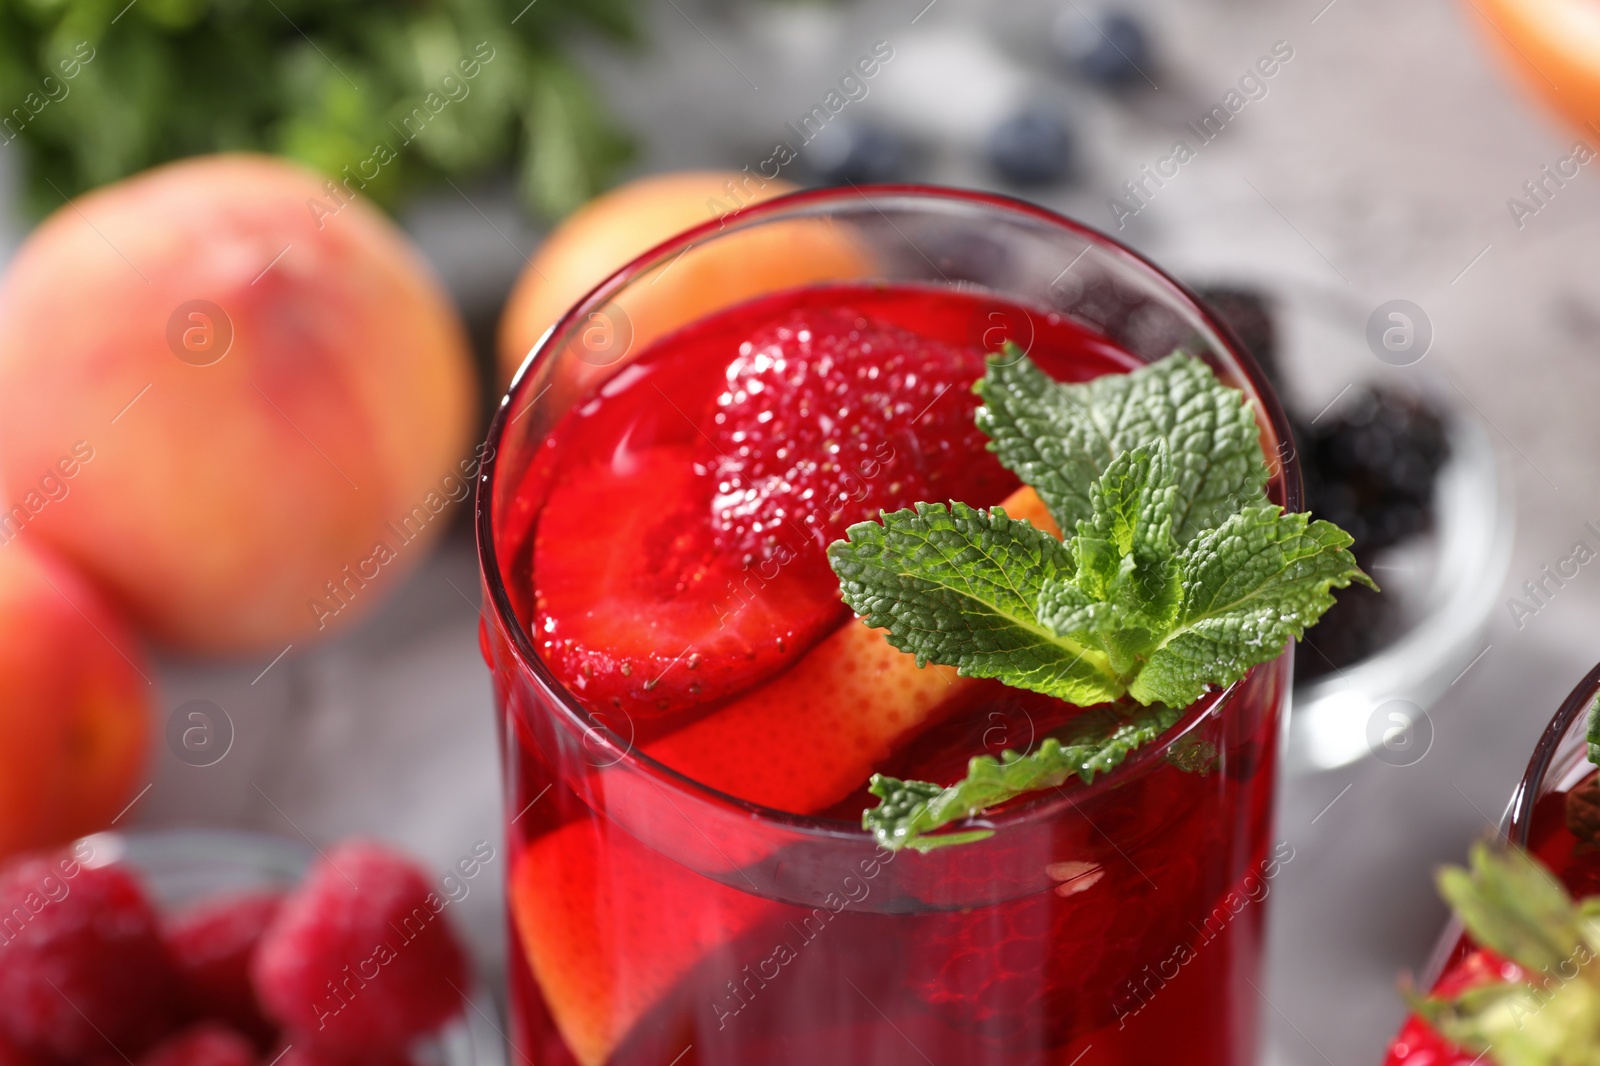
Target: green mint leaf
x,y
912,809
1132,506
1171,622
1059,438
1045,432
957,585
1128,586
1251,585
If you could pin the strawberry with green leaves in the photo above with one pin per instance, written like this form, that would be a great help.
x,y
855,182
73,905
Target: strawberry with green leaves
x,y
1530,995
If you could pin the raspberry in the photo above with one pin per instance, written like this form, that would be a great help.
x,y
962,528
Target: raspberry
x,y
203,1044
211,944
81,960
360,959
830,418
303,1055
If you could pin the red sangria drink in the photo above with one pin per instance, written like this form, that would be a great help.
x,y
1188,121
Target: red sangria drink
x,y
1554,817
883,664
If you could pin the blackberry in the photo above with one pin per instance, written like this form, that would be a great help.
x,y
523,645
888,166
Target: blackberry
x,y
1358,624
1369,466
1372,465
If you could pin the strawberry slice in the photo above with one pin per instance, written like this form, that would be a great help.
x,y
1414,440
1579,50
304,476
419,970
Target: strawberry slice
x,y
830,417
636,609
810,737
1418,1044
609,928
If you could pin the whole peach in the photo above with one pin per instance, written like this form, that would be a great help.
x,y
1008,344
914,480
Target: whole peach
x,y
262,393
75,717
608,232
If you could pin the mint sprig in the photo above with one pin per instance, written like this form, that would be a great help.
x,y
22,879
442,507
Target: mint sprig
x,y
912,809
1179,575
1127,593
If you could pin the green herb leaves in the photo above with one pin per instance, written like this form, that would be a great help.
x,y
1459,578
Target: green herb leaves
x,y
1060,438
387,99
1249,587
1179,574
1122,608
911,809
1516,908
1128,591
1186,576
1592,733
1512,905
960,586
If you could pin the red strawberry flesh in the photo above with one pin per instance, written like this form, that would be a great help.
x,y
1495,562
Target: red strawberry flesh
x,y
830,417
1418,1044
636,608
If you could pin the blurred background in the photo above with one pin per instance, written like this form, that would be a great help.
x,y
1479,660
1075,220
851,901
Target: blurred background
x,y
1400,216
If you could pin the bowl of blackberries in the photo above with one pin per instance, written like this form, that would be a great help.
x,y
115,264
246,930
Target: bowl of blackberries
x,y
1392,455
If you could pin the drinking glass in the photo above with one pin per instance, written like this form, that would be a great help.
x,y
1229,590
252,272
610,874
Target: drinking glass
x,y
656,920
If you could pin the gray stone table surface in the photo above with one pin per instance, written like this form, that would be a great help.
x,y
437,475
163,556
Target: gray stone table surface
x,y
1377,165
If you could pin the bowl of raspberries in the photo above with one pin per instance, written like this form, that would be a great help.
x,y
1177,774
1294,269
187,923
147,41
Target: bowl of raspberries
x,y
192,948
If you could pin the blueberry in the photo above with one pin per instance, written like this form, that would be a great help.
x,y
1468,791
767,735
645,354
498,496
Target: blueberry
x,y
1032,147
857,153
1111,50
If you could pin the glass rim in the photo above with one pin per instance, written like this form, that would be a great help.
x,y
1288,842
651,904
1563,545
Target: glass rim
x,y
1519,813
776,208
